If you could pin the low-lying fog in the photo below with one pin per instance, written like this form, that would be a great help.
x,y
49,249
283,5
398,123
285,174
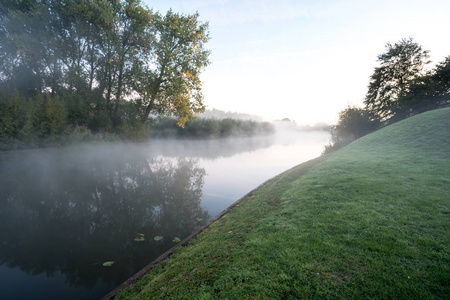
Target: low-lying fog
x,y
66,211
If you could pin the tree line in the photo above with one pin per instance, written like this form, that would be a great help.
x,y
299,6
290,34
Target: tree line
x,y
99,65
399,87
211,128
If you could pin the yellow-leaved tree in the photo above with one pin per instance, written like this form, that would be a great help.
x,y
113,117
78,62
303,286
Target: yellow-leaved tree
x,y
170,84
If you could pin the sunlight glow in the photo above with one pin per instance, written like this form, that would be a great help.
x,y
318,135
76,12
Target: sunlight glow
x,y
305,60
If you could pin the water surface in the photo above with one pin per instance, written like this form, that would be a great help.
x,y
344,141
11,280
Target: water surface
x,y
67,211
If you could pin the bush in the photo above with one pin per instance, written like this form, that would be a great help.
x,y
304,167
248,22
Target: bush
x,y
353,123
51,116
13,122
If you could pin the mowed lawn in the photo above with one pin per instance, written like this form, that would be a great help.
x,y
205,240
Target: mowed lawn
x,y
370,221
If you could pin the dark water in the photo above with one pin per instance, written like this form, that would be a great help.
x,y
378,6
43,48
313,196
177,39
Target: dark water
x,y
65,212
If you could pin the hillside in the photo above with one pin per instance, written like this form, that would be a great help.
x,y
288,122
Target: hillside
x,y
368,221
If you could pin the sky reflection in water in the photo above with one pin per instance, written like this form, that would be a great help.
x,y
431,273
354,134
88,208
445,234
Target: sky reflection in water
x,y
67,211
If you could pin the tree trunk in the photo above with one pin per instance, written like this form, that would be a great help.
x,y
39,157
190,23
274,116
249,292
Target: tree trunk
x,y
148,109
151,105
119,82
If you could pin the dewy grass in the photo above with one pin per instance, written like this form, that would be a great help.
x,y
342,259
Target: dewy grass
x,y
368,221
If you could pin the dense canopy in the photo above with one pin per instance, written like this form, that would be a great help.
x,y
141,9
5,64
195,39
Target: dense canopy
x,y
111,63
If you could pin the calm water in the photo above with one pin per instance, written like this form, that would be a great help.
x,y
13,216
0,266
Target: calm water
x,y
65,212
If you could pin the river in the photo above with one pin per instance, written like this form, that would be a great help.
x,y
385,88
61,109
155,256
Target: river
x,y
76,222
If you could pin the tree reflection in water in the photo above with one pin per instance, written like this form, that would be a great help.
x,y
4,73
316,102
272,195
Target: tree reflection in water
x,y
69,211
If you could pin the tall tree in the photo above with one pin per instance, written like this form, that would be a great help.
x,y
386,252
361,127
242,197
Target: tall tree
x,y
429,90
133,33
441,78
401,64
171,85
21,57
82,25
104,51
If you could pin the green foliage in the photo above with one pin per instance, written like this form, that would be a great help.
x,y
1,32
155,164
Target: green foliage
x,y
400,87
30,122
106,65
44,120
211,128
441,79
14,118
400,66
353,123
171,85
50,115
431,89
128,120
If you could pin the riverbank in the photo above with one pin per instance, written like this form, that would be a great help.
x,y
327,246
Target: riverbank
x,y
368,221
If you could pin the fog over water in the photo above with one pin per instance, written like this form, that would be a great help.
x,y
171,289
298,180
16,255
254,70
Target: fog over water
x,y
66,211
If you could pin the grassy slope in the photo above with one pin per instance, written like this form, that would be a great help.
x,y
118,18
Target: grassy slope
x,y
368,221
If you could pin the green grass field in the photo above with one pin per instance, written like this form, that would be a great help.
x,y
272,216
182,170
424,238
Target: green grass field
x,y
370,221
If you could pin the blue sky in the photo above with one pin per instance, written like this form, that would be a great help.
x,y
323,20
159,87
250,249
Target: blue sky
x,y
305,60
